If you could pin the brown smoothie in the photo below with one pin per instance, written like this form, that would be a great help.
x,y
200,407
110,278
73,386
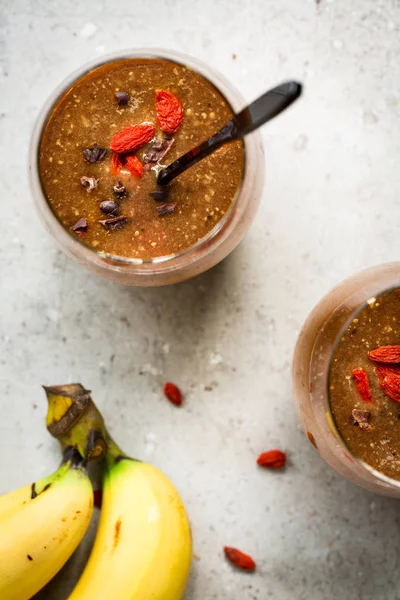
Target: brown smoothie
x,y
103,197
369,427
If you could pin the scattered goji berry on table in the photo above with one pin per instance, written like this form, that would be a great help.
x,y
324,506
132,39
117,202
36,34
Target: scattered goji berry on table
x,y
173,393
132,138
239,559
169,111
134,166
386,354
361,379
273,459
391,386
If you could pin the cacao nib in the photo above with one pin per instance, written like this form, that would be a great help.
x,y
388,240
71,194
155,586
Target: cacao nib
x,y
166,209
122,98
120,190
108,207
89,183
157,151
159,195
115,223
95,154
360,418
80,226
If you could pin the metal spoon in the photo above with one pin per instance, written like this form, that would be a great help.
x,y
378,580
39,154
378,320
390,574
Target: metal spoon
x,y
266,107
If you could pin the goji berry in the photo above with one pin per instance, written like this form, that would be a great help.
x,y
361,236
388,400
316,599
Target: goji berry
x,y
386,354
173,393
116,164
98,498
361,379
382,371
273,459
169,111
239,559
391,386
134,166
132,138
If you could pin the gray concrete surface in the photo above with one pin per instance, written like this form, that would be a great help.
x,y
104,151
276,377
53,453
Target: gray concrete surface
x,y
330,208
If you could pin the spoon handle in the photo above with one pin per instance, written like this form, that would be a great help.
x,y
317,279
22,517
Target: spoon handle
x,y
266,107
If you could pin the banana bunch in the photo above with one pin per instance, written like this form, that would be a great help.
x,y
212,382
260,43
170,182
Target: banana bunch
x,y
41,525
143,546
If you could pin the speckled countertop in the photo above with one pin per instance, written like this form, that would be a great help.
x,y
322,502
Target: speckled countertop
x,y
330,208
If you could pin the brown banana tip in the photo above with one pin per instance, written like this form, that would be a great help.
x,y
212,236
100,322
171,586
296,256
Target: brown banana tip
x,y
68,390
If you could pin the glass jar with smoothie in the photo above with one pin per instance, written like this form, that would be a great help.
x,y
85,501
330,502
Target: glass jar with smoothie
x,y
98,146
346,378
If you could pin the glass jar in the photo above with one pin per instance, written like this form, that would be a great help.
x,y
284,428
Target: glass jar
x,y
312,358
210,249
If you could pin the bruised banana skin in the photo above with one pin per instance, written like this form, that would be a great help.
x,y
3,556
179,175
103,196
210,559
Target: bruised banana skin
x,y
41,525
143,546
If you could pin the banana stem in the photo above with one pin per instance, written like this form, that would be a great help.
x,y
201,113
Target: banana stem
x,y
73,419
114,453
76,422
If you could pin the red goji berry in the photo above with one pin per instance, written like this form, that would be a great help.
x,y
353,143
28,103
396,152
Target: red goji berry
x,y
382,371
134,166
173,393
239,559
273,459
361,379
132,138
391,386
386,354
98,498
169,111
116,164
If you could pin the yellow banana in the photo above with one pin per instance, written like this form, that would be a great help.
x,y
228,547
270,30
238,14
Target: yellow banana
x,y
143,545
39,534
13,501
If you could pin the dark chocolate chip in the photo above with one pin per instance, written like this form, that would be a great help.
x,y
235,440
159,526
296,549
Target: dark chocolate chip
x,y
122,98
360,418
120,190
115,223
108,207
95,154
89,183
157,151
159,195
80,226
166,209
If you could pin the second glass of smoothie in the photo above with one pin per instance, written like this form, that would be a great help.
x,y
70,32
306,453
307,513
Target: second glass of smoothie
x,y
96,152
346,378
